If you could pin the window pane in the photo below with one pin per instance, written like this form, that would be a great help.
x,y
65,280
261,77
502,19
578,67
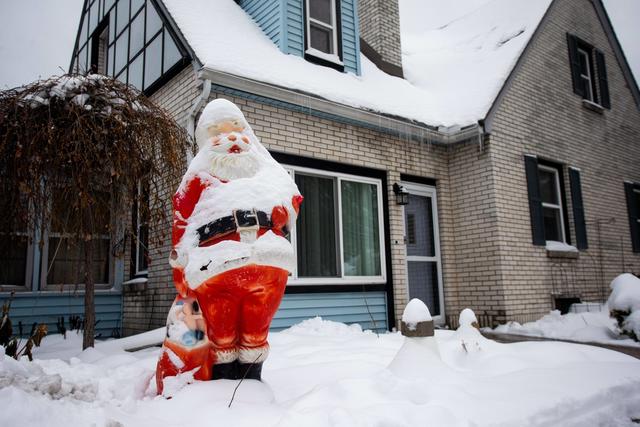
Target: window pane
x,y
171,52
143,251
110,61
423,283
137,35
82,60
123,14
419,226
320,38
121,51
135,72
552,224
584,62
13,258
154,23
360,229
93,20
108,4
83,31
316,227
112,26
548,188
135,6
321,10
122,76
153,62
66,261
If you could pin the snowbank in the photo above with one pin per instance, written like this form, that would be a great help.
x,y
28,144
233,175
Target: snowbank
x,y
322,373
624,303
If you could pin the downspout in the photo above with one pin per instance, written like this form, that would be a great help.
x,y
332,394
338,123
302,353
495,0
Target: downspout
x,y
195,108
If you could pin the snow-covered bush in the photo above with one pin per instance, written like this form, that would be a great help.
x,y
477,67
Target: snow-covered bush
x,y
624,304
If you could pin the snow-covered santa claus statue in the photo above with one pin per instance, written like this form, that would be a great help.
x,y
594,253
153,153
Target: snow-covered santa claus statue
x,y
230,258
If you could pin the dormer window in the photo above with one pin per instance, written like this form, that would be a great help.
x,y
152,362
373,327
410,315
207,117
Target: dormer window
x,y
322,30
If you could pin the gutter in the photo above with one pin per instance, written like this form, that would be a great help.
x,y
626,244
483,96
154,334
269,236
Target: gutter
x,y
198,104
315,105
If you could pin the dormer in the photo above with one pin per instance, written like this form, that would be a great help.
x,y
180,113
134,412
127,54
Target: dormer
x,y
321,31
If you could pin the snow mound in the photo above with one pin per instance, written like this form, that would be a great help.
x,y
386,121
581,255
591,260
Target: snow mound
x,y
322,328
625,293
467,318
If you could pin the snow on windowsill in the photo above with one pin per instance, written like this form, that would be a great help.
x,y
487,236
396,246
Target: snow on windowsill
x,y
331,57
136,284
560,250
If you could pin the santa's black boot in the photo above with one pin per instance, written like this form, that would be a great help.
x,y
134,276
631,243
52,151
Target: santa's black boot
x,y
225,371
253,371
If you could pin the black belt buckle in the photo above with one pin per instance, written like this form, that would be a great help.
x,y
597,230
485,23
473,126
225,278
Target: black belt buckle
x,y
246,220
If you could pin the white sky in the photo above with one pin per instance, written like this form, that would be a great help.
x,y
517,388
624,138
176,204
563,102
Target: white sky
x,y
37,36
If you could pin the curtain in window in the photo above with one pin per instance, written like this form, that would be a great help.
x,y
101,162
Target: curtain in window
x,y
360,229
316,227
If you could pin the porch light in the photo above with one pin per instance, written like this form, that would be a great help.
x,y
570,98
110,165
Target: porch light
x,y
402,195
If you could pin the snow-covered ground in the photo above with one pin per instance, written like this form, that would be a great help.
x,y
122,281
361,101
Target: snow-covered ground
x,y
322,373
588,326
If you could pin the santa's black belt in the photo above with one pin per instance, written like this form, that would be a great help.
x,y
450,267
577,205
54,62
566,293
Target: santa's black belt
x,y
240,220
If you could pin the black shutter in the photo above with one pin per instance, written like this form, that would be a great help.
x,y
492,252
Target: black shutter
x,y
578,209
574,62
632,208
535,200
602,80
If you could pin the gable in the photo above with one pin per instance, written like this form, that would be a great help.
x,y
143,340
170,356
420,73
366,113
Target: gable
x,y
130,40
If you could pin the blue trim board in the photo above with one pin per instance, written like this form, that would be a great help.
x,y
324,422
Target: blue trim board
x,y
369,309
47,307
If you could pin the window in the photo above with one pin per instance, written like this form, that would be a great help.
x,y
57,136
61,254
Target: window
x,y
63,253
322,30
588,71
547,205
338,237
632,191
140,258
128,40
551,203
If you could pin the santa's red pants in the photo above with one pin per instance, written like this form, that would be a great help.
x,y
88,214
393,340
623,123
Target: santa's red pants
x,y
238,306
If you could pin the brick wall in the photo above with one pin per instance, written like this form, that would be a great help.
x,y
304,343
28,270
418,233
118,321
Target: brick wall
x,y
379,22
542,116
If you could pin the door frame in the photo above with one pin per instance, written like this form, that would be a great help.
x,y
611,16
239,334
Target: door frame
x,y
426,191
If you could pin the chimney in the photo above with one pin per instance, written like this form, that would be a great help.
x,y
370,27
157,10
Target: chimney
x,y
379,22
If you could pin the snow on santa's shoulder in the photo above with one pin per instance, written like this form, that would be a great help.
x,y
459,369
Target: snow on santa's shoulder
x,y
467,59
416,311
324,373
625,293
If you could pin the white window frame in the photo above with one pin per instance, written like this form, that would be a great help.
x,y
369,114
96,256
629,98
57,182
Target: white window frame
x,y
558,206
333,56
342,279
587,56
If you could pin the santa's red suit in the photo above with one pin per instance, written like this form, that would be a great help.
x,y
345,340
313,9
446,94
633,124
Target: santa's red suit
x,y
230,257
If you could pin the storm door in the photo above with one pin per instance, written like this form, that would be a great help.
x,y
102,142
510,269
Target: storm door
x,y
424,271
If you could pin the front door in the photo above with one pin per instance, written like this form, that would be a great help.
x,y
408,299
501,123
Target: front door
x,y
424,272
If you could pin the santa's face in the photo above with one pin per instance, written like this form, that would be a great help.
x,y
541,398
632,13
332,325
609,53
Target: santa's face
x,y
233,156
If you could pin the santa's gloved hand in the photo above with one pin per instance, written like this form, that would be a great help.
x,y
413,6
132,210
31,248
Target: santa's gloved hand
x,y
178,259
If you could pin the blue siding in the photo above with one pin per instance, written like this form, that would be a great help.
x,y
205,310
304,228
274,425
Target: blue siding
x,y
294,42
347,307
46,307
350,36
268,15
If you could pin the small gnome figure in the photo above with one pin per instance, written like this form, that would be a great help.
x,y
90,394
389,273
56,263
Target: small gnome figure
x,y
230,257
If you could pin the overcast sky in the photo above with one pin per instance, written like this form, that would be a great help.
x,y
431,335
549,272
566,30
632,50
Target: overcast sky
x,y
37,36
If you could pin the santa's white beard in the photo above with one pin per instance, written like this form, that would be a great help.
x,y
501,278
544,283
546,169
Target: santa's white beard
x,y
230,166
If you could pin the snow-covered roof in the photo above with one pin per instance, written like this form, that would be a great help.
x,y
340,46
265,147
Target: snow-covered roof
x,y
461,52
456,56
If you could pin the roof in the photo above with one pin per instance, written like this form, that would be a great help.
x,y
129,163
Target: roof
x,y
462,52
456,57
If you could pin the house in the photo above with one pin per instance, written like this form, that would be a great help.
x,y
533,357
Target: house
x,y
510,127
